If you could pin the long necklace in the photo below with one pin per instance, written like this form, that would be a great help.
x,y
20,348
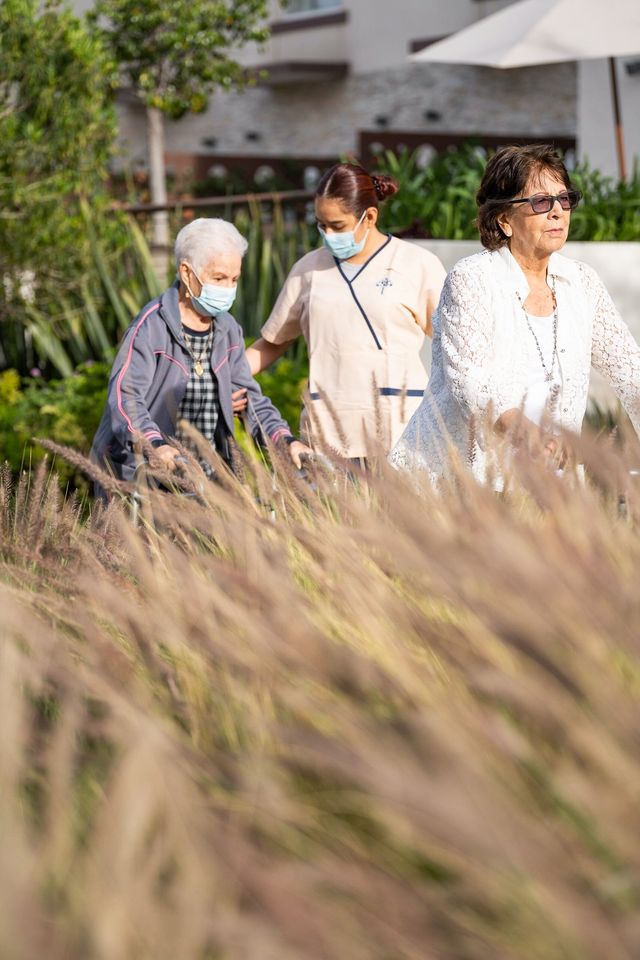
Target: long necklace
x,y
197,358
548,373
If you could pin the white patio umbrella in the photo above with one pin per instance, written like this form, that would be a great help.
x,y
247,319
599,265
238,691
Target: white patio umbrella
x,y
548,31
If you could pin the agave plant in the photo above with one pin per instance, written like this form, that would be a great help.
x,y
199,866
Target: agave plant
x,y
88,322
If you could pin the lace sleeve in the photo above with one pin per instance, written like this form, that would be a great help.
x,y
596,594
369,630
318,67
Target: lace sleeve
x,y
468,343
614,352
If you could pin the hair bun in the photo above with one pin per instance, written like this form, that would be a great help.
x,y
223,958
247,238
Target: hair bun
x,y
384,185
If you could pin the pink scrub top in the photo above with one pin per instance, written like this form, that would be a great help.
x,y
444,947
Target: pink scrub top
x,y
364,333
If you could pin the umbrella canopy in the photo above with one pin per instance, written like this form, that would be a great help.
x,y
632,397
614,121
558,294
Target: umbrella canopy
x,y
544,31
535,32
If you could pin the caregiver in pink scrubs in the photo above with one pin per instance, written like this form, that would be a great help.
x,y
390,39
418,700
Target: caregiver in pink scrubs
x,y
363,302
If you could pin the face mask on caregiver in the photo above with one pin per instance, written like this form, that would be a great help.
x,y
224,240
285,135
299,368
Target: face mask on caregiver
x,y
344,245
213,299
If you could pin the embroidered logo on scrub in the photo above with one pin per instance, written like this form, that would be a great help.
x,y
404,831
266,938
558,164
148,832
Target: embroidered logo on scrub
x,y
383,284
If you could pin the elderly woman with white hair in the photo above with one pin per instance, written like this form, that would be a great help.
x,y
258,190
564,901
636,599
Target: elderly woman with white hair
x,y
183,359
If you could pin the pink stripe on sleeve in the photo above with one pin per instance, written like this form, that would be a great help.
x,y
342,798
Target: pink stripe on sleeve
x,y
126,365
222,362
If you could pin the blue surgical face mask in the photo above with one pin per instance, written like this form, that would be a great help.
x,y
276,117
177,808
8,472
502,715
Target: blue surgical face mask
x,y
344,245
213,299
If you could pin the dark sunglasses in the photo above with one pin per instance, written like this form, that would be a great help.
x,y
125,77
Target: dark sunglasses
x,y
568,200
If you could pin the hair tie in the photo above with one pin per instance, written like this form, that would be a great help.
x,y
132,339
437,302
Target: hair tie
x,y
377,185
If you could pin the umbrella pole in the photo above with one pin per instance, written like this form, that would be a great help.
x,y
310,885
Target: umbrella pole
x,y
622,167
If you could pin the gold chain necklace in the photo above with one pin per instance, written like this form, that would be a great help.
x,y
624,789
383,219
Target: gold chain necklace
x,y
197,358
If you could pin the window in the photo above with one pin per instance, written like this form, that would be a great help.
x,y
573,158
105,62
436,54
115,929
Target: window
x,y
312,6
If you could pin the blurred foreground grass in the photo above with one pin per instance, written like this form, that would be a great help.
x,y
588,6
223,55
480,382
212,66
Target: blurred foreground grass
x,y
382,725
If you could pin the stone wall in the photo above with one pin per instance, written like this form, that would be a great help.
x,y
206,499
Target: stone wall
x,y
325,119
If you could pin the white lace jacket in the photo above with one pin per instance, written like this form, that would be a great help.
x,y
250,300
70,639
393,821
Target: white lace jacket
x,y
480,356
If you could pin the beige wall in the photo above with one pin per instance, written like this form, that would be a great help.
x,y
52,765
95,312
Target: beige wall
x,y
376,35
325,117
322,117
595,114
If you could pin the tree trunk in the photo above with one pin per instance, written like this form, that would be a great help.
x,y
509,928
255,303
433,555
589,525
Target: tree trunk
x,y
157,180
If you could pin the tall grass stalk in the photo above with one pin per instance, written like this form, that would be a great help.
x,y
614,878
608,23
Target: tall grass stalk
x,y
355,721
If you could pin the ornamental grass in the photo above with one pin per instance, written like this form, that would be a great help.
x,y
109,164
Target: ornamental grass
x,y
323,717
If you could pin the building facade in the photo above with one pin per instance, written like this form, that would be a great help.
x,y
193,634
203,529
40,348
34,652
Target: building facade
x,y
336,79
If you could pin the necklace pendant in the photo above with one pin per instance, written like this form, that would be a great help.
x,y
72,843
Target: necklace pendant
x,y
199,369
549,377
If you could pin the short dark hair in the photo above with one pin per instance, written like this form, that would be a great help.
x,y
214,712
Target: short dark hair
x,y
506,175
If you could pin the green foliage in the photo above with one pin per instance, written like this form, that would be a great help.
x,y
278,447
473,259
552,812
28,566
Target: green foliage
x,y
57,125
610,209
438,200
284,383
87,323
274,246
174,54
77,335
67,411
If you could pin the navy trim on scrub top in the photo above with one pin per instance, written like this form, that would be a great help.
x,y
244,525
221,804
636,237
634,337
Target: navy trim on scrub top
x,y
353,293
385,392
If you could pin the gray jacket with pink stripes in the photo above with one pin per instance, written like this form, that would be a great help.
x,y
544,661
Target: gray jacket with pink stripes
x,y
149,378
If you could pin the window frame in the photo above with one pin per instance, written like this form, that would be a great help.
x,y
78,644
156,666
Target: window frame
x,y
336,7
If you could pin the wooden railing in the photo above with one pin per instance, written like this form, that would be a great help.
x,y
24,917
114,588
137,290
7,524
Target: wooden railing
x,y
203,203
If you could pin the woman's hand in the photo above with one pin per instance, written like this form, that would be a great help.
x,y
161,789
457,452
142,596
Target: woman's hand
x,y
523,432
164,457
297,449
239,401
556,451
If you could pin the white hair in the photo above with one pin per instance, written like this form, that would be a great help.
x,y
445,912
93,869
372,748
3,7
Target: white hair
x,y
200,240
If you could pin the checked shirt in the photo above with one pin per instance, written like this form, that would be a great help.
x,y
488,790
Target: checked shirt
x,y
200,405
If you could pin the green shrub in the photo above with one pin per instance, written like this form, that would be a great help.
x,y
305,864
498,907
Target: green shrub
x,y
67,411
610,209
438,200
284,384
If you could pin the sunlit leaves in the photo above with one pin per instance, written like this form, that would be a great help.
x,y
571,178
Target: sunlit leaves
x,y
174,54
56,129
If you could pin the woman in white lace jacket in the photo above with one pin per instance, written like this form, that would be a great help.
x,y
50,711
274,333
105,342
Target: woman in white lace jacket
x,y
518,327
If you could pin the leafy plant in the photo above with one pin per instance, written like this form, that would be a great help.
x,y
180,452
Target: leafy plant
x,y
438,199
86,324
172,57
611,208
57,125
277,238
66,411
284,383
